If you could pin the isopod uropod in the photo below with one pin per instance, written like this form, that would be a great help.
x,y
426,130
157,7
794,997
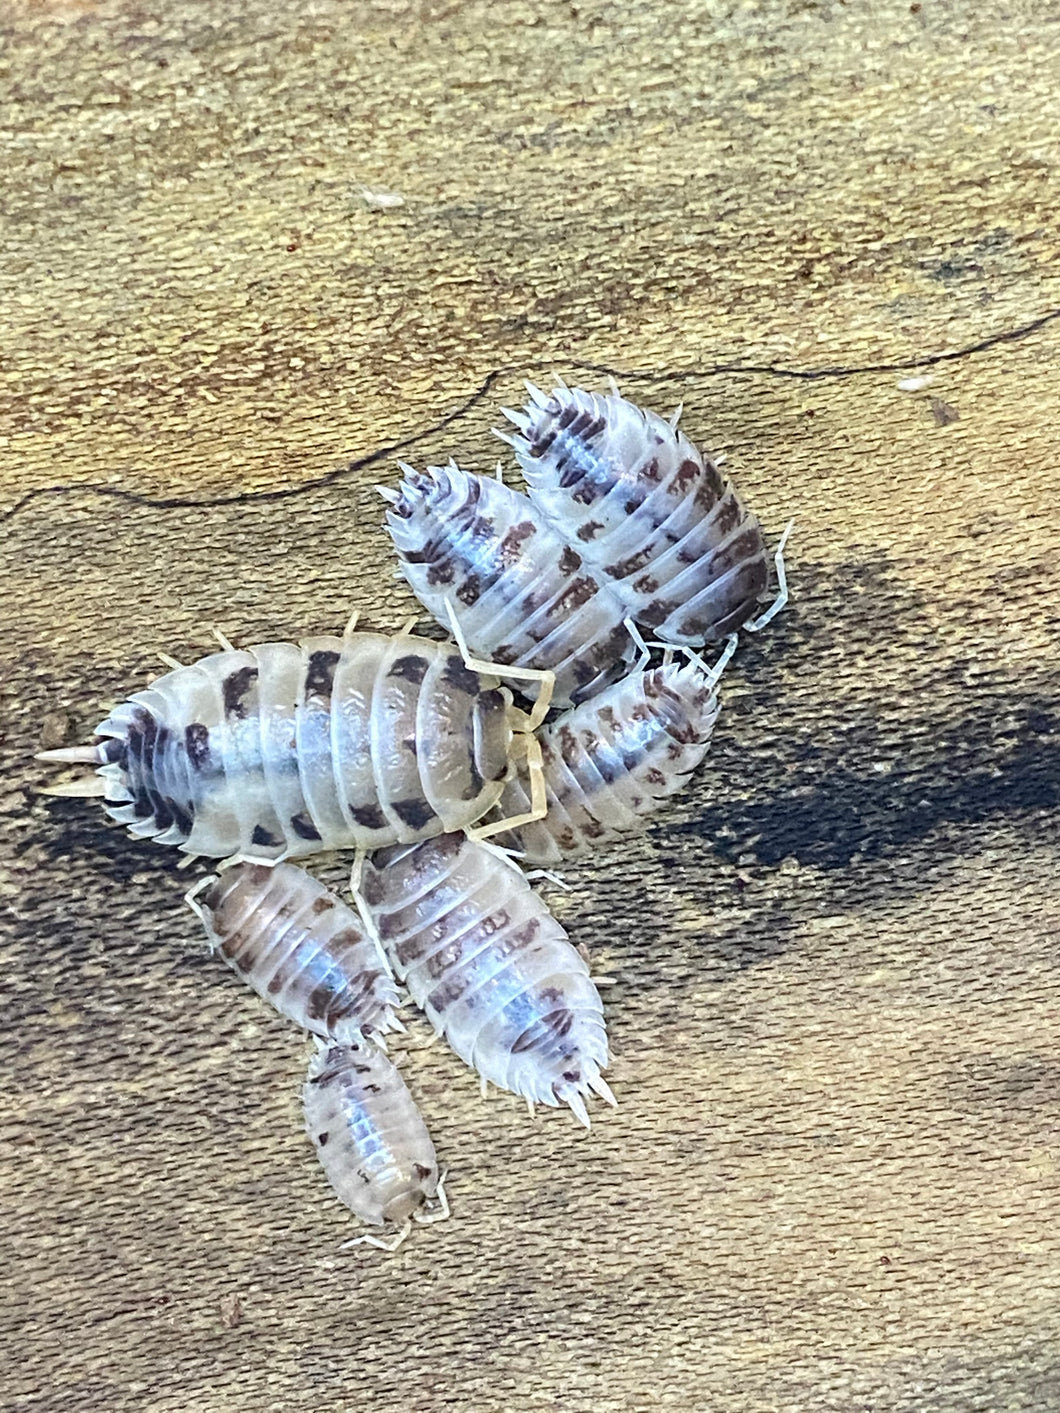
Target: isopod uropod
x,y
520,593
370,1138
283,749
491,967
299,947
613,760
646,509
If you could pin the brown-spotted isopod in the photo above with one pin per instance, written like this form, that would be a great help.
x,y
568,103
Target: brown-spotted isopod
x,y
520,593
647,510
299,947
371,1139
613,760
491,967
289,749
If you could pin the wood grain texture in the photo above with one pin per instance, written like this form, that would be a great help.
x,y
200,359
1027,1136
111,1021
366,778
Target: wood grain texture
x,y
832,1180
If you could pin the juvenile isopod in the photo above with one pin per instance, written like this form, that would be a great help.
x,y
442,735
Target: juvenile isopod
x,y
647,510
288,749
491,968
521,594
613,760
371,1139
299,947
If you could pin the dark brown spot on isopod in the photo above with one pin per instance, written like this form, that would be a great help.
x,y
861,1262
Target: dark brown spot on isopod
x,y
420,1172
368,816
624,568
688,472
322,1138
303,826
235,687
322,904
578,592
512,544
570,561
568,744
264,837
417,814
590,530
320,673
441,572
461,678
646,584
233,947
197,745
469,591
411,667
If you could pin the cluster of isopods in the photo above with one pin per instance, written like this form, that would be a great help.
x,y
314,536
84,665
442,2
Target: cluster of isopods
x,y
413,752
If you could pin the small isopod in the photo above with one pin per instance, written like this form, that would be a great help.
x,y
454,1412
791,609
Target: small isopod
x,y
299,947
371,1139
520,593
615,759
288,749
647,510
491,968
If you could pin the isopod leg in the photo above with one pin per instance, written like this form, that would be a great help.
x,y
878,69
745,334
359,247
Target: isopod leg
x,y
714,674
351,626
554,878
381,1242
538,797
222,640
435,1214
171,661
782,587
368,921
643,650
265,861
191,897
544,675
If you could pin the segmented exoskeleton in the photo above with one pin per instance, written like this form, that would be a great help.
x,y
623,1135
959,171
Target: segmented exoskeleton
x,y
492,969
519,591
613,760
649,512
299,947
370,1137
287,749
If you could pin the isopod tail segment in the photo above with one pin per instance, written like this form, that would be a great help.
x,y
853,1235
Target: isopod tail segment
x,y
86,787
755,625
425,1217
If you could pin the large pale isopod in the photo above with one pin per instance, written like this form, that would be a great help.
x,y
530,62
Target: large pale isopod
x,y
287,749
492,969
647,510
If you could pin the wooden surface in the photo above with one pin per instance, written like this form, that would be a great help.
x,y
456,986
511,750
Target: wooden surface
x,y
832,1180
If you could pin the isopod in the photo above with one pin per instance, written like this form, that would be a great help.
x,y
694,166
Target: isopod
x,y
520,593
299,947
371,1138
492,969
288,749
613,760
647,510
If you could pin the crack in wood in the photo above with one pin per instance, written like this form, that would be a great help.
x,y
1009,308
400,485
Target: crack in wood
x,y
627,375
